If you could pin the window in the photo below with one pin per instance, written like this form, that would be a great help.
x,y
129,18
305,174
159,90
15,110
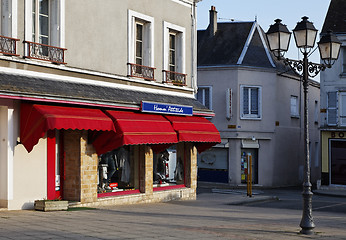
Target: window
x,y
44,30
204,96
250,102
332,110
168,168
294,106
44,21
140,45
174,54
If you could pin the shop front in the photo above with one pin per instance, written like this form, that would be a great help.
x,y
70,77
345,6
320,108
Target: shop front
x,y
99,156
333,158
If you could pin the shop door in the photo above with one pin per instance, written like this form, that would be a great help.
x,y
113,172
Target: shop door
x,y
338,162
245,153
55,167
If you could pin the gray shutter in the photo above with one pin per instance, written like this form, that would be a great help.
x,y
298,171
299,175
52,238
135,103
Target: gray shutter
x,y
332,108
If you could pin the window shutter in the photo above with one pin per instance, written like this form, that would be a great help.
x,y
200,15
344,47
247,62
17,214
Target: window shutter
x,y
6,16
54,23
229,103
245,101
332,109
342,109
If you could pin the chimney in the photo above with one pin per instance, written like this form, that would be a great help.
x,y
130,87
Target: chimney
x,y
212,21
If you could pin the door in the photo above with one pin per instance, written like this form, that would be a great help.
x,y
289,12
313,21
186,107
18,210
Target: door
x,y
55,167
338,162
245,154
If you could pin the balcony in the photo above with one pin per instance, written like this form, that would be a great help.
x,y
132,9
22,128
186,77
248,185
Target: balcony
x,y
45,52
174,78
140,71
8,46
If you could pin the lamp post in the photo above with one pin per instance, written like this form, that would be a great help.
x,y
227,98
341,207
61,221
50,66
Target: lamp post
x,y
305,33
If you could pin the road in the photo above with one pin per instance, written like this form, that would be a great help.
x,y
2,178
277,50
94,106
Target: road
x,y
211,216
291,199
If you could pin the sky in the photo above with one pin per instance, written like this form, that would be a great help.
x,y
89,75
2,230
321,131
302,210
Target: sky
x,y
266,11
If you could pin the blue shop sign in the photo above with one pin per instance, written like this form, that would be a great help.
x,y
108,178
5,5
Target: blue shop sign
x,y
166,108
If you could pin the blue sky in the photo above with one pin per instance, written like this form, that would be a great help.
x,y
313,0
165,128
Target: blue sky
x,y
266,11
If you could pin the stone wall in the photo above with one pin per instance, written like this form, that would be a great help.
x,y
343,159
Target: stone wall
x,y
81,162
72,178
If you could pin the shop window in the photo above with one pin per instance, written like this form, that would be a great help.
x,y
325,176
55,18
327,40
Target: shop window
x,y
168,168
117,171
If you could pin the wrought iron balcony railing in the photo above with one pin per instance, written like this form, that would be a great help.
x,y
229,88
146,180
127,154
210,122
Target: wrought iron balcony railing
x,y
140,71
45,52
174,78
8,46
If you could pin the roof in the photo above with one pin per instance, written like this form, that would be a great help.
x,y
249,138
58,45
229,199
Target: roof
x,y
46,89
336,17
235,43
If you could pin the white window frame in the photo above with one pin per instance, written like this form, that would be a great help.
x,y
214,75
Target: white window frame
x,y
250,116
180,46
56,24
8,18
148,37
201,90
294,114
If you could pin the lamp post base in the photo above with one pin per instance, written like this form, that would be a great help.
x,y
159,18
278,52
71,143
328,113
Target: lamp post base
x,y
307,222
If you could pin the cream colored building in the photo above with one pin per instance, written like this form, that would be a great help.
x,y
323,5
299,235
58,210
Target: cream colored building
x,y
93,96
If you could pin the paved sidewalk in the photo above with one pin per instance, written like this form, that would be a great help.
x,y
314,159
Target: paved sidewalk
x,y
209,217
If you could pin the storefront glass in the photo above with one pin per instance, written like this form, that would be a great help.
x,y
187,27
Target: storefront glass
x,y
168,168
116,171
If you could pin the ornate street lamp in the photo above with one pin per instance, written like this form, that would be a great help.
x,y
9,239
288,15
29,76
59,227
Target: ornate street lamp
x,y
305,37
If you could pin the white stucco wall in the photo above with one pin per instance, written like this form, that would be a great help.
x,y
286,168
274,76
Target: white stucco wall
x,y
280,137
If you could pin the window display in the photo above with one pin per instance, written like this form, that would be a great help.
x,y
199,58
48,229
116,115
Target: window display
x,y
116,170
168,168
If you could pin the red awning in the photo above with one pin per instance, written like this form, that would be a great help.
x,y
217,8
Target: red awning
x,y
36,119
195,129
139,128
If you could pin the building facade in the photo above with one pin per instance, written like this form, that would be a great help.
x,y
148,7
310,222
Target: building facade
x,y
333,103
258,109
99,108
